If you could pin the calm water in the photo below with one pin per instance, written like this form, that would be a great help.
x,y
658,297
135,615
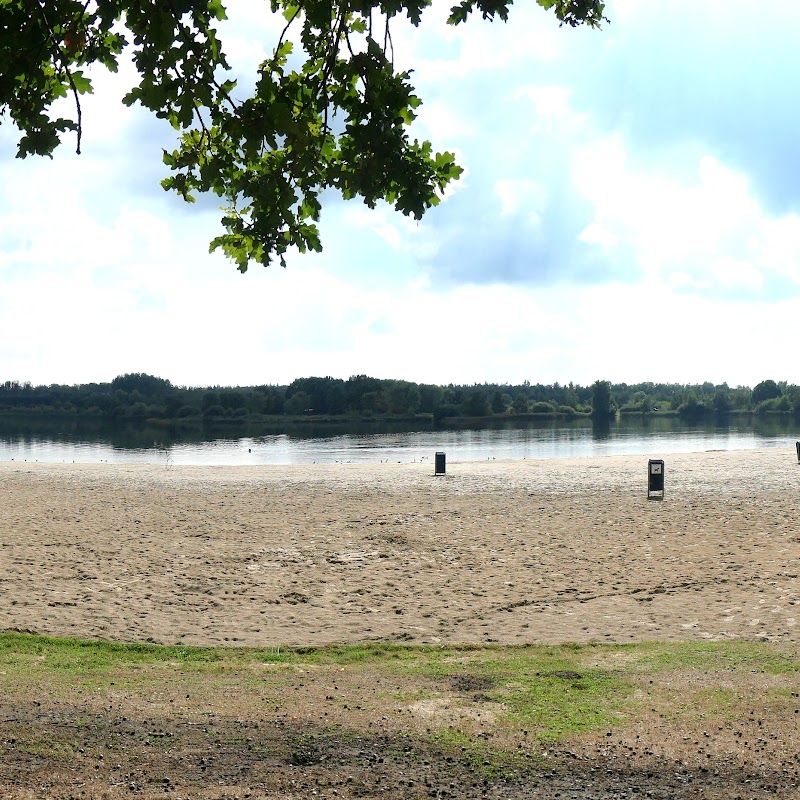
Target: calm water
x,y
563,440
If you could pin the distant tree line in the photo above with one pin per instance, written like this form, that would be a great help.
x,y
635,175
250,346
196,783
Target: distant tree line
x,y
138,396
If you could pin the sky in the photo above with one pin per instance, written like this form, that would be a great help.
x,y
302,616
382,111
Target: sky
x,y
629,211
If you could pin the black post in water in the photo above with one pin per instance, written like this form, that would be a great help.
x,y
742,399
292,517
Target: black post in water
x,y
655,479
439,464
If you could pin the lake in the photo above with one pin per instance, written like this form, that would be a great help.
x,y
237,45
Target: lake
x,y
550,439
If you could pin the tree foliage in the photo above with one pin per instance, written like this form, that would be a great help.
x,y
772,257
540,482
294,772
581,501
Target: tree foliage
x,y
141,382
337,117
601,400
138,396
766,390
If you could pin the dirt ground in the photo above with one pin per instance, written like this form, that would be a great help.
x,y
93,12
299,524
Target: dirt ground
x,y
310,743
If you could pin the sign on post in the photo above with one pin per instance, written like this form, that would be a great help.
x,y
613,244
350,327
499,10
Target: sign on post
x,y
655,479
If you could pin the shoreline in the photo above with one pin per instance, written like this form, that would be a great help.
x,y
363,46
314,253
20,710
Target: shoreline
x,y
539,551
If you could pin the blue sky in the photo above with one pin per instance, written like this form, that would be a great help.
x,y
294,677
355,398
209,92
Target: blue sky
x,y
629,211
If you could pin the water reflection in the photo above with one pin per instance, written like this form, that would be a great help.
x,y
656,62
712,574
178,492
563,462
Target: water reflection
x,y
91,443
601,429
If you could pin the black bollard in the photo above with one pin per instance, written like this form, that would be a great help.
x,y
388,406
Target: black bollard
x,y
655,479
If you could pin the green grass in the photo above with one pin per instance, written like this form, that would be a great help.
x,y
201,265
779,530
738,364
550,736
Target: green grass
x,y
717,656
550,693
548,690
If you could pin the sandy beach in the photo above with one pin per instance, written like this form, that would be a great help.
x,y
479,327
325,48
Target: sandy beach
x,y
509,552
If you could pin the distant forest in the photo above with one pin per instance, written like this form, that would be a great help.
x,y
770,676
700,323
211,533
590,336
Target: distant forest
x,y
141,397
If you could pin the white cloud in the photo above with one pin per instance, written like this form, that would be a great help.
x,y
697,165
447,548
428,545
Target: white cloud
x,y
780,239
440,122
520,194
479,46
554,113
551,102
706,233
647,332
402,234
733,273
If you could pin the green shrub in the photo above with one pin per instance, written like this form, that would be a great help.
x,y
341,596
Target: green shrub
x,y
692,408
775,405
520,404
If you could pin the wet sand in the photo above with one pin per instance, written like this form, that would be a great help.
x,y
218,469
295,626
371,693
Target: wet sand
x,y
497,551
